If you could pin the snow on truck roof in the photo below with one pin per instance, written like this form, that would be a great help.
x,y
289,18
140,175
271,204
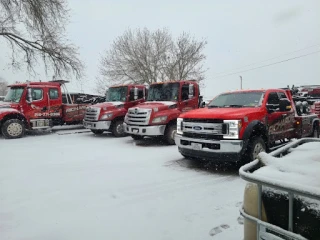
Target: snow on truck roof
x,y
298,169
51,83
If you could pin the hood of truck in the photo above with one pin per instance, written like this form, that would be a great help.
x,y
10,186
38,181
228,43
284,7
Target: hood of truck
x,y
108,105
156,106
220,113
4,105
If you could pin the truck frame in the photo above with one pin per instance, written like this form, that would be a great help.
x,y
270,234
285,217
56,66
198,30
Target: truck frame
x,y
253,210
157,116
37,105
109,115
236,132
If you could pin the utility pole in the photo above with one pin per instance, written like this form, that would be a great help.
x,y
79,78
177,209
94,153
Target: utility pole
x,y
241,82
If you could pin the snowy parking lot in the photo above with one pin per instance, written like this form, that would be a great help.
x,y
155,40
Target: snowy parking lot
x,y
60,186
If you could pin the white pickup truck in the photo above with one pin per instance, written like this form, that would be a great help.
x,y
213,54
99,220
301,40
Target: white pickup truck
x,y
282,198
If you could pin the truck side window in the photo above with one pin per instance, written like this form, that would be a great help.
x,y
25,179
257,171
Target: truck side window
x,y
273,99
37,94
53,93
185,92
282,95
131,94
140,93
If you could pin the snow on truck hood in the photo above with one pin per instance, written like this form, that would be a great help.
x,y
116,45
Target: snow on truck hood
x,y
108,104
220,113
159,105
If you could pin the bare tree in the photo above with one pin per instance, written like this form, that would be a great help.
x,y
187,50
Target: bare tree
x,y
3,87
34,30
143,56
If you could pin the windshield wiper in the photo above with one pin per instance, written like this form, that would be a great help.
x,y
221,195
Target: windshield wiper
x,y
213,106
233,105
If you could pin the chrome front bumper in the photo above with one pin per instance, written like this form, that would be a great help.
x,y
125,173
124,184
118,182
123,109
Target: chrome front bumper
x,y
144,130
226,150
101,125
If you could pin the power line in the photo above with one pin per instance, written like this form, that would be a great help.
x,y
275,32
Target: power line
x,y
248,65
286,60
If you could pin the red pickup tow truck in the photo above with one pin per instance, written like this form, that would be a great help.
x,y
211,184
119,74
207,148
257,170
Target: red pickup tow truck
x,y
158,115
238,125
109,115
37,105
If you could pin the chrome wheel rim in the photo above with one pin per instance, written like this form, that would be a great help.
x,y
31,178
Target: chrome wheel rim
x,y
258,148
14,129
120,129
173,134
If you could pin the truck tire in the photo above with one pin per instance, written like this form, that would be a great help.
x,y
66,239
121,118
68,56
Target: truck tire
x,y
255,146
170,133
13,128
97,132
137,137
315,132
117,129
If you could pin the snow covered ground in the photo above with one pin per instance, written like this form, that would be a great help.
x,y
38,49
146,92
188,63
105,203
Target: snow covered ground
x,y
82,186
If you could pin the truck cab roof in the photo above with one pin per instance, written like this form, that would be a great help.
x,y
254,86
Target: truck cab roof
x,y
47,83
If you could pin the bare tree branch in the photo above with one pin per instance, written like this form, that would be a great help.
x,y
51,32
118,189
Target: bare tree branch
x,y
142,56
44,21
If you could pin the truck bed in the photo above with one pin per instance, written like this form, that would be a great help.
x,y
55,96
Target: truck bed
x,y
73,112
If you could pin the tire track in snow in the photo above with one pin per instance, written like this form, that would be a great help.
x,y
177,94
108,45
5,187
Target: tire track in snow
x,y
127,197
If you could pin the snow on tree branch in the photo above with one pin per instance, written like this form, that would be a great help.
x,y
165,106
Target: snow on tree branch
x,y
34,30
143,56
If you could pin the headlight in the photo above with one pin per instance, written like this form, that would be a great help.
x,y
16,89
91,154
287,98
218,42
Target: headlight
x,y
106,116
233,128
179,125
159,119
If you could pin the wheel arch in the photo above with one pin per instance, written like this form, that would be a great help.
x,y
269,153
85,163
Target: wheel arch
x,y
315,122
254,129
18,116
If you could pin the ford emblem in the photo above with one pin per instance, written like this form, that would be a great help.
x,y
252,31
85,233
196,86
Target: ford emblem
x,y
197,128
136,110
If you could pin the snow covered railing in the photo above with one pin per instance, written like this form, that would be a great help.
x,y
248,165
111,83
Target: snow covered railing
x,y
268,178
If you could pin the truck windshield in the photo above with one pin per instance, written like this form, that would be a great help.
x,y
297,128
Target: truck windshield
x,y
14,94
164,92
116,94
241,99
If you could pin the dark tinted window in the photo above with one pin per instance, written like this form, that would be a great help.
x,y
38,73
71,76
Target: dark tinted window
x,y
131,95
53,93
282,95
37,94
273,98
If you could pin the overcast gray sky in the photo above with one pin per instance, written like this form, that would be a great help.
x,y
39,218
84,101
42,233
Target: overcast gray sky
x,y
239,33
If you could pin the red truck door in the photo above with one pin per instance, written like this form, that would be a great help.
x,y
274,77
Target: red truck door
x,y
38,107
280,123
55,101
188,103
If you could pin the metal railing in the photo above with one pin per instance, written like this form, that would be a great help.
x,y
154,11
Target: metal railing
x,y
292,190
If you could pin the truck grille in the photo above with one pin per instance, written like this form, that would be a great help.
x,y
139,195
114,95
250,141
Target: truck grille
x,y
138,116
210,129
92,114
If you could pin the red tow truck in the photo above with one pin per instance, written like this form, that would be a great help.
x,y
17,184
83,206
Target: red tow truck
x,y
158,115
239,125
109,115
37,105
